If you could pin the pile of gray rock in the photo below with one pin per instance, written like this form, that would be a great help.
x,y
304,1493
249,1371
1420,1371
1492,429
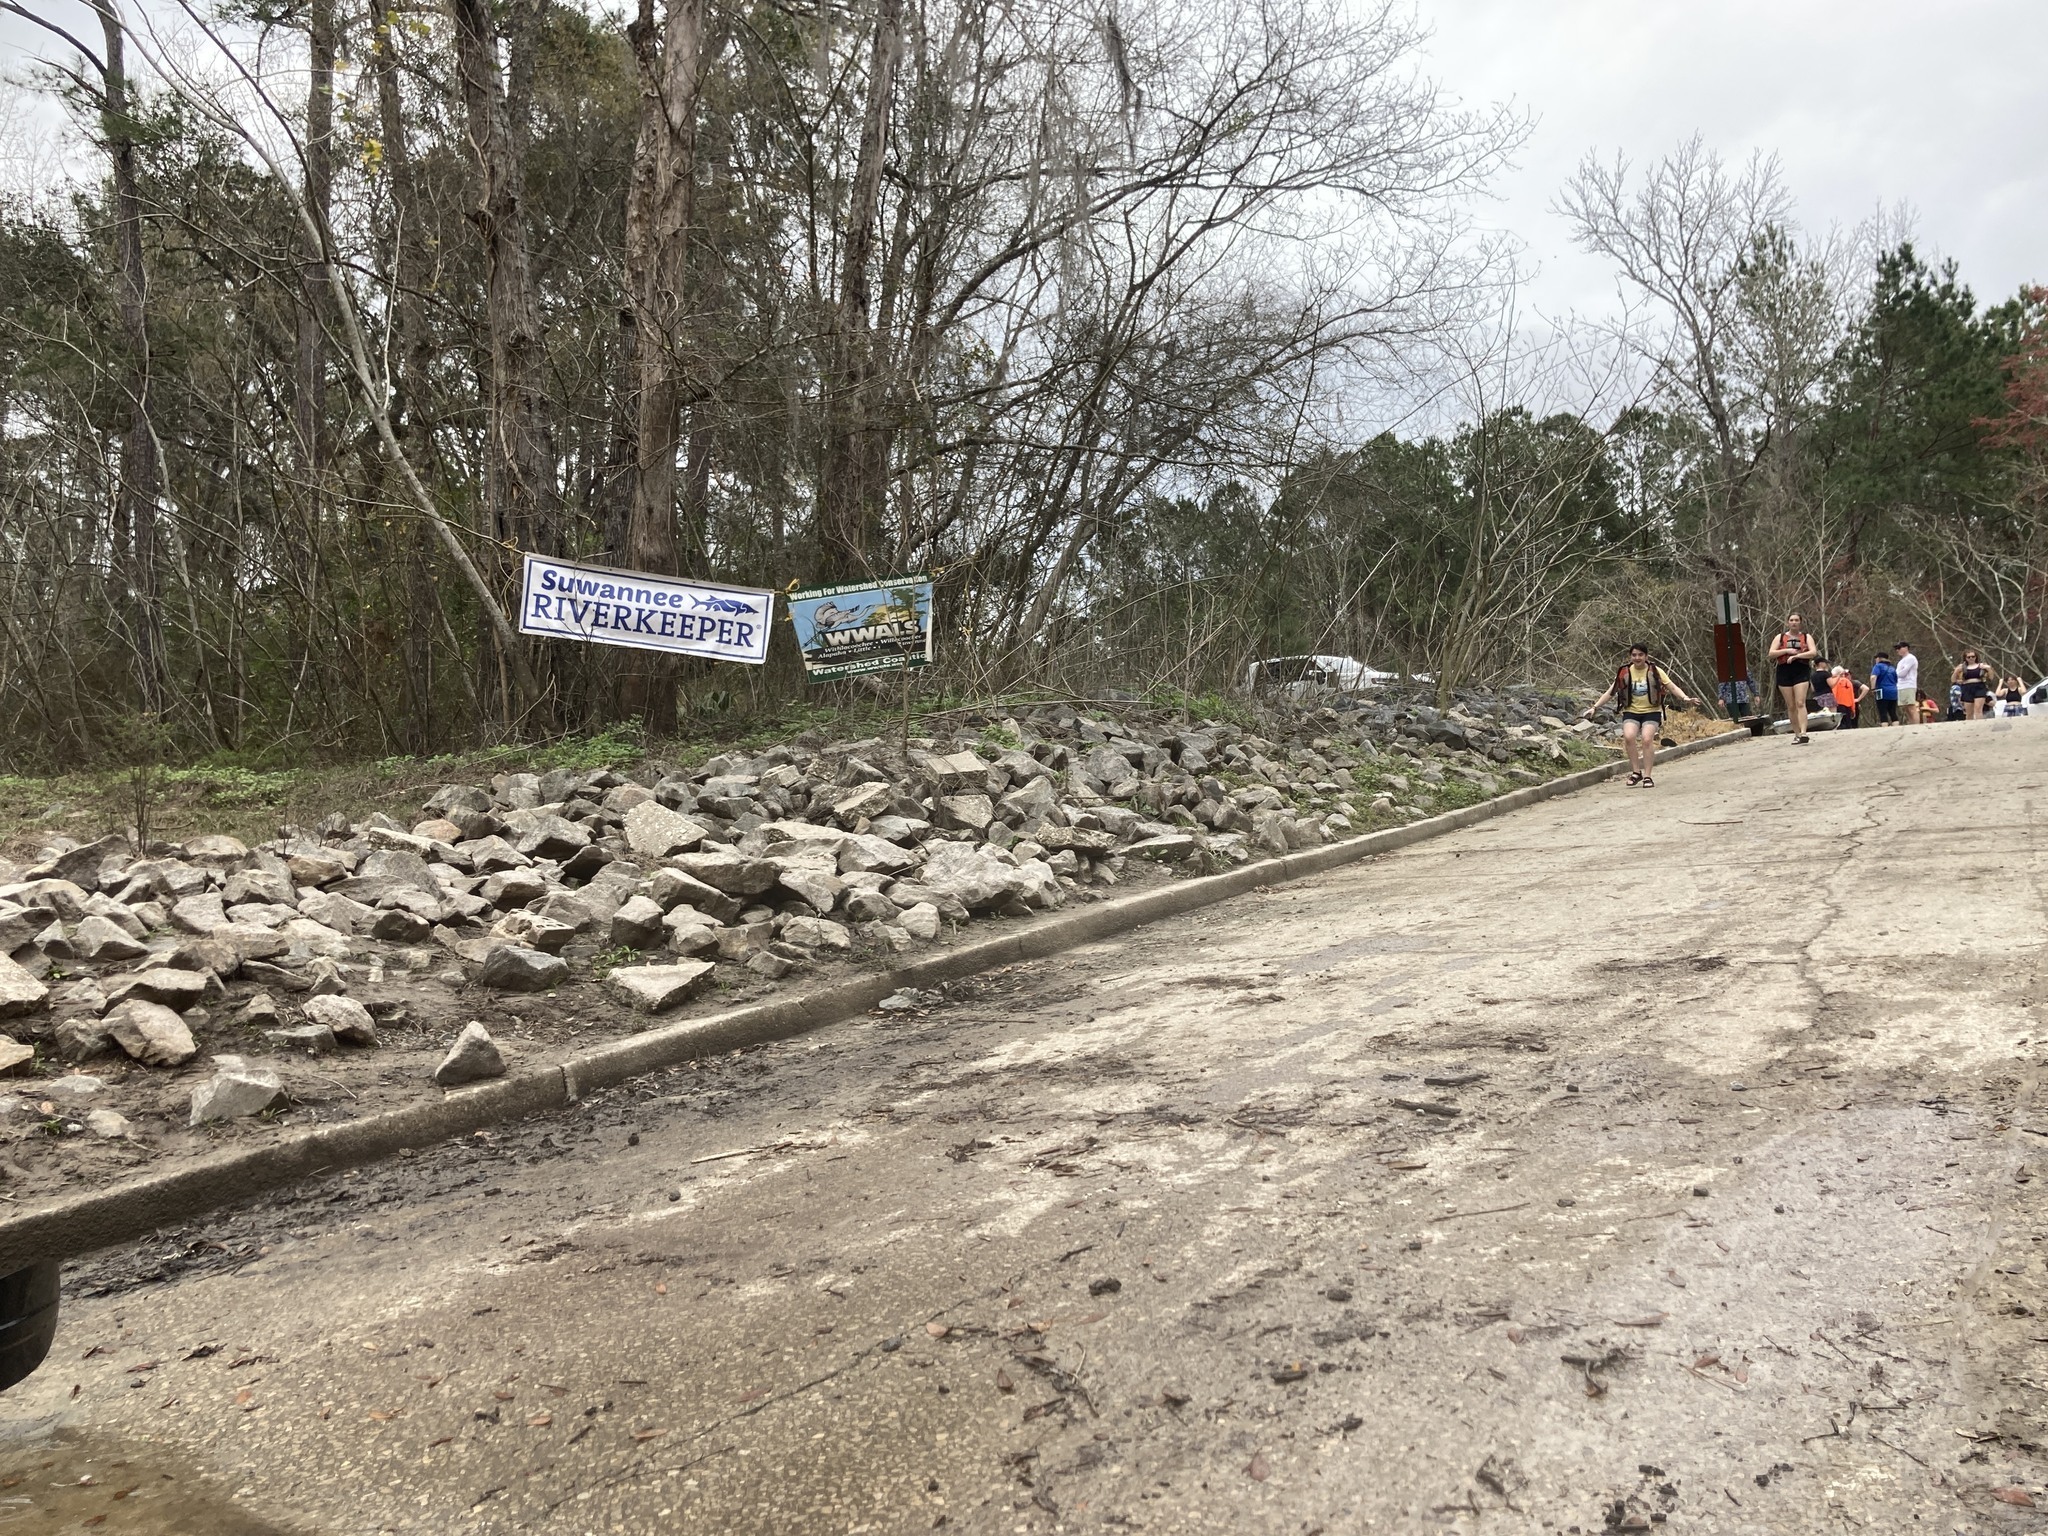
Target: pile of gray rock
x,y
656,881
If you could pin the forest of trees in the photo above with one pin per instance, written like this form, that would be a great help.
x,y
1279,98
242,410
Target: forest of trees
x,y
1075,305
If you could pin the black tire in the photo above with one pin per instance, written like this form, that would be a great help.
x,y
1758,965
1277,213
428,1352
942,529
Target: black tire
x,y
28,1320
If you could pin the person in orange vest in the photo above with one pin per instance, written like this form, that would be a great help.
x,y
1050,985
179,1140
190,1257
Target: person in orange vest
x,y
1640,688
1847,695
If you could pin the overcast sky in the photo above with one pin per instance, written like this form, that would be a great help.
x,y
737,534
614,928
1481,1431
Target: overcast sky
x,y
1869,103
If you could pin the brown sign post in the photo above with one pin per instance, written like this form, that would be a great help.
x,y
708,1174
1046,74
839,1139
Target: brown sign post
x,y
1731,657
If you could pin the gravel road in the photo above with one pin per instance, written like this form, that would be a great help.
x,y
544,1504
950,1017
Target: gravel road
x,y
1637,1160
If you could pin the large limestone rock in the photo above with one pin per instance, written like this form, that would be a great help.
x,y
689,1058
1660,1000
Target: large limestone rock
x,y
513,968
733,873
456,797
819,887
102,941
317,939
861,803
259,885
333,910
236,1089
150,1033
81,866
80,1039
638,924
669,888
348,1019
473,1057
816,933
1035,881
869,854
920,921
690,932
533,931
19,992
654,831
177,990
492,855
970,877
543,835
964,813
199,913
513,888
217,851
19,925
1030,803
739,942
867,906
657,988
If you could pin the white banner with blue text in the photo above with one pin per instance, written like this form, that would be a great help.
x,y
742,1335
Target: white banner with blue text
x,y
655,613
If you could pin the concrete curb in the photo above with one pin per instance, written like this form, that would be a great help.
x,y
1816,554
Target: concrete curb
x,y
73,1225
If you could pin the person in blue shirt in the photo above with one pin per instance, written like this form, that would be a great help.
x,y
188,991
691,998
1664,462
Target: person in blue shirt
x,y
1884,687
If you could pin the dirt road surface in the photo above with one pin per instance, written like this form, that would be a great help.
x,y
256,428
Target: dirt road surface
x,y
1720,1212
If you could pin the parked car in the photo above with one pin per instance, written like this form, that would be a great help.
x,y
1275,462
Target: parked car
x,y
1346,674
28,1320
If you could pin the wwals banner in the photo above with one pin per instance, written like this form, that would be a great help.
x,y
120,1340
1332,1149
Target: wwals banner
x,y
655,613
863,626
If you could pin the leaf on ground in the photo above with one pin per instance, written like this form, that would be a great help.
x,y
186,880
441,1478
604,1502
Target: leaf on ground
x,y
1003,1382
503,1397
245,1397
937,1330
1258,1469
1091,1317
540,1421
2018,1496
661,1288
1650,1320
382,1415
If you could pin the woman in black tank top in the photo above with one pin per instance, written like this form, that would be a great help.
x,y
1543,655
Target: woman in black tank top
x,y
1792,653
1975,679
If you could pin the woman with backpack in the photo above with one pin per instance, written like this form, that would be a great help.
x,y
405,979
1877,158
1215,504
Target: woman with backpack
x,y
1640,689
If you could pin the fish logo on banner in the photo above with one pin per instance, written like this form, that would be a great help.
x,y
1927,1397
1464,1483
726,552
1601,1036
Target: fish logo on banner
x,y
652,613
877,626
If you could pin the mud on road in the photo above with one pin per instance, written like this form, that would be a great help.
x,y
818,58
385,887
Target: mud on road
x,y
1629,1162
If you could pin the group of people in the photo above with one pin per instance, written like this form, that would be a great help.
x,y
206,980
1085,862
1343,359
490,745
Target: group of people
x,y
1894,684
1641,688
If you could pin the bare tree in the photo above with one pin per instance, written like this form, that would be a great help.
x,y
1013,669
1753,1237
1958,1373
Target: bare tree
x,y
1681,241
659,209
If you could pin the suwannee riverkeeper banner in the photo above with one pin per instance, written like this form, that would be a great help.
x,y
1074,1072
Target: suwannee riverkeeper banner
x,y
654,613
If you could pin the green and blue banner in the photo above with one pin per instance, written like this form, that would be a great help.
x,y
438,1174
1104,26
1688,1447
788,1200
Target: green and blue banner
x,y
860,627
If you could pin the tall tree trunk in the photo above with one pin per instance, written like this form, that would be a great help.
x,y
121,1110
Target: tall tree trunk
x,y
404,252
853,477
309,402
141,486
521,463
519,474
659,207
